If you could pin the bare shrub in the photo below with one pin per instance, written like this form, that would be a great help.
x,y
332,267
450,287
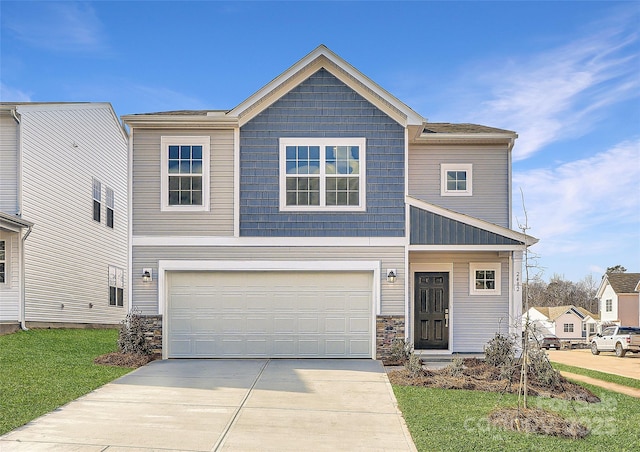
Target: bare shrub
x,y
500,352
414,365
456,368
400,351
540,368
131,337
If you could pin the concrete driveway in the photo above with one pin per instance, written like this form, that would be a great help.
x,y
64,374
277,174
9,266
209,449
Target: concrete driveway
x,y
234,405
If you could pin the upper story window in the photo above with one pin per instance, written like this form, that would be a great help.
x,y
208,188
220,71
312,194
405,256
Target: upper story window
x,y
484,278
568,327
110,206
97,192
185,173
322,174
3,262
609,305
456,179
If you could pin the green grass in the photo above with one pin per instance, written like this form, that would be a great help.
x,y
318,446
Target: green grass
x,y
625,381
456,420
41,370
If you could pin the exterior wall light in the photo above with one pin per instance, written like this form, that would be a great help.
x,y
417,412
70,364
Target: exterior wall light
x,y
147,275
392,274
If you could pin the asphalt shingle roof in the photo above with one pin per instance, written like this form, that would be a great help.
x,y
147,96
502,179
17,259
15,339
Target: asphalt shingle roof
x,y
447,127
623,282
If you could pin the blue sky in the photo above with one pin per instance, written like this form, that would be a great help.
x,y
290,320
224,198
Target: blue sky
x,y
564,75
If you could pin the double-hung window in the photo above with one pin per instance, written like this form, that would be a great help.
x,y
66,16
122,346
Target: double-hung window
x,y
609,305
110,206
3,261
484,278
568,327
97,191
116,286
325,174
456,179
185,173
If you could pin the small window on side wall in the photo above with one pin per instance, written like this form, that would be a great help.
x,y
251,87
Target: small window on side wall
x,y
110,206
456,179
3,261
116,286
484,278
97,191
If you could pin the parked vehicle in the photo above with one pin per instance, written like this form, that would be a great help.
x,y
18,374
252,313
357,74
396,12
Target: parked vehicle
x,y
547,341
619,339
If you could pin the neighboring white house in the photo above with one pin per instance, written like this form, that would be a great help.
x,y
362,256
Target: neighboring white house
x,y
63,215
569,323
619,299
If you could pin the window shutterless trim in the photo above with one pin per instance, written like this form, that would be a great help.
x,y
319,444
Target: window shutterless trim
x,y
3,261
167,141
466,168
495,267
110,201
322,175
97,197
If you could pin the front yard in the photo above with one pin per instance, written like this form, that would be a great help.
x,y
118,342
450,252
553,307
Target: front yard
x,y
41,370
457,420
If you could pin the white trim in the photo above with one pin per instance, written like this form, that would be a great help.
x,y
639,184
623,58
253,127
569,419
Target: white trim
x,y
444,267
496,267
171,241
6,260
322,142
459,167
465,247
236,182
205,142
165,266
370,87
130,221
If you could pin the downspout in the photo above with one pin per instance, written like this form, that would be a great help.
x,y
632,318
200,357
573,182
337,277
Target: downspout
x,y
23,316
23,239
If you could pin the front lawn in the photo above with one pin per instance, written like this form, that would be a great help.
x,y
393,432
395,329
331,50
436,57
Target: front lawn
x,y
456,420
611,378
41,370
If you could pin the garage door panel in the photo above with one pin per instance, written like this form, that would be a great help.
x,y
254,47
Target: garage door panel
x,y
269,314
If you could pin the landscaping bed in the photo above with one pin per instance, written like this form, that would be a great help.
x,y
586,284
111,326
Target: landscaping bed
x,y
476,374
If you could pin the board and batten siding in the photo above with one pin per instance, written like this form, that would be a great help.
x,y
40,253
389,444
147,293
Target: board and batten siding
x,y
145,295
147,217
475,318
490,199
68,254
8,163
10,290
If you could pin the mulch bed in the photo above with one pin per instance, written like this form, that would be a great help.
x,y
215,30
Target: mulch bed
x,y
479,376
118,359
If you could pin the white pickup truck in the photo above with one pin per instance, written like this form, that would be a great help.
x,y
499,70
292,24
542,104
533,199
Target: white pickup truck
x,y
619,339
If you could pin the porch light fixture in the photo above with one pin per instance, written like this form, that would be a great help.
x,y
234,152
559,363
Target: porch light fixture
x,y
147,275
392,274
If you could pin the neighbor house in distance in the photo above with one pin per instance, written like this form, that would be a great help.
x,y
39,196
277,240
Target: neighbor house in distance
x,y
322,217
619,299
63,215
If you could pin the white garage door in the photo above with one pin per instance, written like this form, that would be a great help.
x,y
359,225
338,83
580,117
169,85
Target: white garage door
x,y
269,314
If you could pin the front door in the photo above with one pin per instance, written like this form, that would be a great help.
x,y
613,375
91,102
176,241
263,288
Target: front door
x,y
431,301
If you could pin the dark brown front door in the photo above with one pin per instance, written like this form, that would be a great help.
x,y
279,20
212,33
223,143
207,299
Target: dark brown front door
x,y
431,325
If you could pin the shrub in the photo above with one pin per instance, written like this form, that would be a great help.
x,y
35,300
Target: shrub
x,y
400,351
540,368
500,352
131,337
456,367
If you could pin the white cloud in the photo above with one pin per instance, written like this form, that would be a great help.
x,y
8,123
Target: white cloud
x,y
9,94
592,202
58,26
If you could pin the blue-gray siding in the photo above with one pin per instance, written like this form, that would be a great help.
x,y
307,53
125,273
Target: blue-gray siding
x,y
322,106
428,228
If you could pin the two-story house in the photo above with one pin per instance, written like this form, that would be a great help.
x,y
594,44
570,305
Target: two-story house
x,y
619,299
321,217
63,215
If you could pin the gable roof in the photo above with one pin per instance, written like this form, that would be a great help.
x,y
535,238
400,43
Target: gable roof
x,y
499,234
624,282
323,58
553,312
